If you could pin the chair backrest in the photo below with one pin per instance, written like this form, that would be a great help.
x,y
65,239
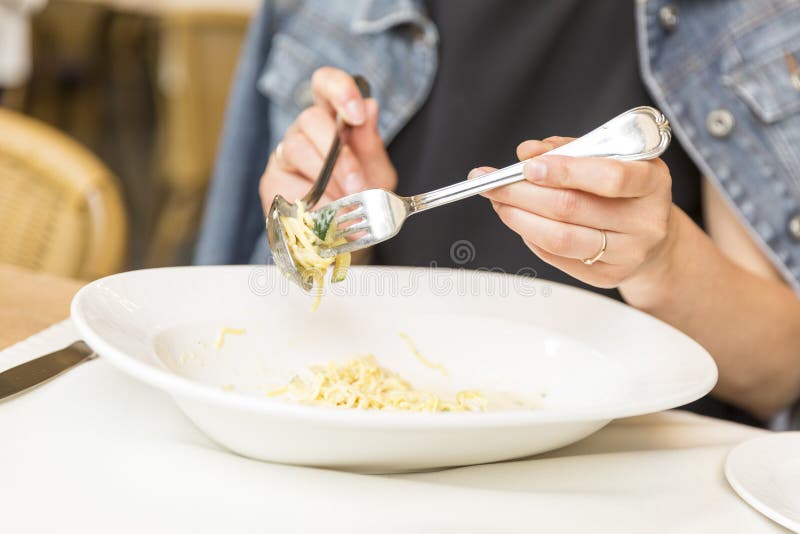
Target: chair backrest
x,y
60,208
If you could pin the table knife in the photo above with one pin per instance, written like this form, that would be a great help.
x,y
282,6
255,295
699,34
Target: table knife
x,y
30,374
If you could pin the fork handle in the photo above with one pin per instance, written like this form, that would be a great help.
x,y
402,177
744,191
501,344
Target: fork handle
x,y
638,134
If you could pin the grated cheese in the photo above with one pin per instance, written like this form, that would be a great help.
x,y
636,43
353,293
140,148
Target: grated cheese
x,y
418,355
362,383
227,331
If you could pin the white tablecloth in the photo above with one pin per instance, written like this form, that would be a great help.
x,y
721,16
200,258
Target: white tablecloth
x,y
96,452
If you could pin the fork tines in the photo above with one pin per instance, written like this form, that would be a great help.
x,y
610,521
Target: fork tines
x,y
351,209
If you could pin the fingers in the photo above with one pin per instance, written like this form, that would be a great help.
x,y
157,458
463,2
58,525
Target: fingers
x,y
567,205
317,124
368,148
599,274
296,154
290,185
532,148
557,140
563,239
336,91
363,162
600,176
479,171
298,159
640,216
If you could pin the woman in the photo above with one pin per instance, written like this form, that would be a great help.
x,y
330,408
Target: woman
x,y
460,84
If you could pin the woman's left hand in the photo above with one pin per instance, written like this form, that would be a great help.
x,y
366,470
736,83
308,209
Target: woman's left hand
x,y
565,202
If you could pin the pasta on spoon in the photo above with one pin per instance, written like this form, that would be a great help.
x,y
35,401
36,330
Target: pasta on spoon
x,y
306,233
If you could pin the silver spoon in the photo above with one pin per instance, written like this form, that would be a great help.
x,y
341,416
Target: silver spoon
x,y
638,134
280,206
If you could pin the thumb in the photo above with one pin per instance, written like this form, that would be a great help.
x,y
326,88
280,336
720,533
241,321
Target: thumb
x,y
366,143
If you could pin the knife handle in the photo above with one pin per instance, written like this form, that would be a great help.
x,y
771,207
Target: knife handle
x,y
35,372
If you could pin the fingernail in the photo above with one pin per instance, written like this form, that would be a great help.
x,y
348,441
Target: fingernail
x,y
354,112
353,183
474,173
535,170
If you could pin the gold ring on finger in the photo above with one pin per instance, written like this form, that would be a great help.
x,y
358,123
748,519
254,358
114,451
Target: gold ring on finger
x,y
590,261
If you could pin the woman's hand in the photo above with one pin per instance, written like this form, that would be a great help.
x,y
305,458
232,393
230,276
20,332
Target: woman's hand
x,y
565,202
363,162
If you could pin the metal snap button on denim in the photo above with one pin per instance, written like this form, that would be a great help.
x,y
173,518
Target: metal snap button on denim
x,y
794,227
303,96
719,123
668,17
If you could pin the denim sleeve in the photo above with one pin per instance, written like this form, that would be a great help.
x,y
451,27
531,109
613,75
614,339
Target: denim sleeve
x,y
233,218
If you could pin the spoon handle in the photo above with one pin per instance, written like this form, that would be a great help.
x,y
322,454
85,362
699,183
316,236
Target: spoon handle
x,y
313,196
638,134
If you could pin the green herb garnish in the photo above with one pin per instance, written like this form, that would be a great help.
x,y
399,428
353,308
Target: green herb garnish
x,y
322,222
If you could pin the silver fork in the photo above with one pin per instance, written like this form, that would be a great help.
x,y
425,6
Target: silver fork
x,y
638,134
280,206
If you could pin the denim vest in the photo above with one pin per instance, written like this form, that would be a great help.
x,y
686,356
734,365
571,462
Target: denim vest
x,y
719,69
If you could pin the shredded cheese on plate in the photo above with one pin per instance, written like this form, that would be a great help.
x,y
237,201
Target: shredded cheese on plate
x,y
418,355
227,331
362,383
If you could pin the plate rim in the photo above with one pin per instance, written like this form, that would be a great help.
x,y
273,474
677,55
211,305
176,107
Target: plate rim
x,y
745,494
175,384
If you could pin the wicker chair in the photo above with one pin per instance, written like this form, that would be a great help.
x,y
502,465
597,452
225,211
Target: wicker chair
x,y
60,208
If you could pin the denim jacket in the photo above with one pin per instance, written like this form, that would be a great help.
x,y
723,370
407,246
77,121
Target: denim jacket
x,y
719,69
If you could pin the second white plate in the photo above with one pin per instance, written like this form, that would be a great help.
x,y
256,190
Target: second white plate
x,y
765,472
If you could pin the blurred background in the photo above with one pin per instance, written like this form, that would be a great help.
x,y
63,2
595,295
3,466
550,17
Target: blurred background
x,y
110,112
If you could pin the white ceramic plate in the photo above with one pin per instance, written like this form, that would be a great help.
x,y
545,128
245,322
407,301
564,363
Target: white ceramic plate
x,y
579,358
765,472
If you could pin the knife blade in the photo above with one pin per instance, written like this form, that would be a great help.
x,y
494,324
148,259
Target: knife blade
x,y
30,374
